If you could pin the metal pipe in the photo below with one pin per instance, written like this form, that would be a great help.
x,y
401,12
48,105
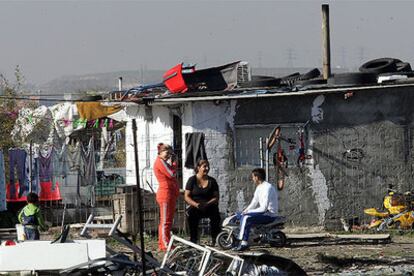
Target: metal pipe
x,y
140,217
30,167
85,227
267,160
326,45
115,225
261,151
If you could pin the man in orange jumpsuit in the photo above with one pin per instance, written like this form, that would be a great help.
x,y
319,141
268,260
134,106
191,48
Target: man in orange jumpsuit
x,y
167,194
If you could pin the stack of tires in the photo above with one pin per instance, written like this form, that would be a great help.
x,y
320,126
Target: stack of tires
x,y
369,72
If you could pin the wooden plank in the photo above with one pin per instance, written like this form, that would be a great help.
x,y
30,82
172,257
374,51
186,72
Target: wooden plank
x,y
7,230
363,236
308,236
320,236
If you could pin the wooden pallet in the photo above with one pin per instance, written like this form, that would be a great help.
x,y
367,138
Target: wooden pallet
x,y
8,234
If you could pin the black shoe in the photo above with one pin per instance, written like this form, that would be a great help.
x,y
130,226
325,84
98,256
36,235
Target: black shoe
x,y
241,247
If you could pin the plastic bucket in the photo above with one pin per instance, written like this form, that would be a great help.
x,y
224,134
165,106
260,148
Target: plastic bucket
x,y
20,232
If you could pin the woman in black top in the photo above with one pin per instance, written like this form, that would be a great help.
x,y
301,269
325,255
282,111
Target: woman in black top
x,y
202,194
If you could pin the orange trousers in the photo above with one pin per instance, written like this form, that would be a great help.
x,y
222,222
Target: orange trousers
x,y
167,211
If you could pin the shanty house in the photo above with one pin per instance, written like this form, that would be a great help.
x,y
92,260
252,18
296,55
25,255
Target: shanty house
x,y
357,142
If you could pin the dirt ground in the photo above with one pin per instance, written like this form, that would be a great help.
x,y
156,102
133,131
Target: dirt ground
x,y
318,259
322,257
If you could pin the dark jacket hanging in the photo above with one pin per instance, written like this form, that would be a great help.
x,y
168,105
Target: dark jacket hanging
x,y
194,149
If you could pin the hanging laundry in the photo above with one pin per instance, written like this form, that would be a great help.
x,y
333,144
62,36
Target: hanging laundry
x,y
63,115
194,149
33,125
90,164
74,155
60,166
95,110
47,193
32,180
63,180
46,165
3,205
17,161
75,158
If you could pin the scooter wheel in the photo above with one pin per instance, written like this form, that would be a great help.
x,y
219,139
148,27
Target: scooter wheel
x,y
225,240
277,239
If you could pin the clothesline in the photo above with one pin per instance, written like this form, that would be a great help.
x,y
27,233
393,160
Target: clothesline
x,y
104,122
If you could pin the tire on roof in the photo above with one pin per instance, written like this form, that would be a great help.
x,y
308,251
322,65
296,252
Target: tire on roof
x,y
315,81
350,79
403,67
380,65
314,73
290,79
261,81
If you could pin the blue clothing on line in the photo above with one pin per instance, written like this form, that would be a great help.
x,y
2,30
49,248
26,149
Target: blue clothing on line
x,y
17,158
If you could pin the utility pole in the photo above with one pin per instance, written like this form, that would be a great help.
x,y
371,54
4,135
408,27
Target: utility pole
x,y
140,218
326,44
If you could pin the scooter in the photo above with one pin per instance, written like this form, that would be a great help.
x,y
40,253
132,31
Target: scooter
x,y
259,234
398,212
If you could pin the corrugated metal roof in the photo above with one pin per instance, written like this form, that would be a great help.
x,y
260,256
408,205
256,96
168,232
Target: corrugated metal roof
x,y
259,93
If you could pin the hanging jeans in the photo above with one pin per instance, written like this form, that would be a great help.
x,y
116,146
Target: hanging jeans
x,y
34,184
167,211
17,158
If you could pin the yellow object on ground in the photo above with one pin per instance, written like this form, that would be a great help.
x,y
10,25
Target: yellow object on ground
x,y
374,212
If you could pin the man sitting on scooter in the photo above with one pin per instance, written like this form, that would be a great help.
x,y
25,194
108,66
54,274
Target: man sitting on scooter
x,y
262,209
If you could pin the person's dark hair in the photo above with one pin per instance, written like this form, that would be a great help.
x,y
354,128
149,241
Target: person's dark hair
x,y
260,173
32,198
200,163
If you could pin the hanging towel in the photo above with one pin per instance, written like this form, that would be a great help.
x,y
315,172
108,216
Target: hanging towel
x,y
95,110
194,149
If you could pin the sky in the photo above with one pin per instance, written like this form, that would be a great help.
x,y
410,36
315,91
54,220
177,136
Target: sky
x,y
50,39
